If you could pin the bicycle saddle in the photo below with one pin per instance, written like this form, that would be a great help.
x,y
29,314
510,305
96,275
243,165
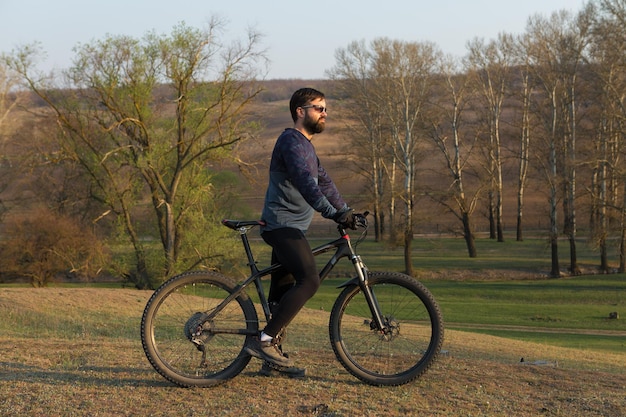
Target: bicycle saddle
x,y
236,224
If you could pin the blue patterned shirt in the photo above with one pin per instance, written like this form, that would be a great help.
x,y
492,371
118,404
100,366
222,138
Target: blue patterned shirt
x,y
298,185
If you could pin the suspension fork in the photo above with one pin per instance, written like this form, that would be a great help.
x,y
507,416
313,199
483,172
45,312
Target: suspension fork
x,y
370,297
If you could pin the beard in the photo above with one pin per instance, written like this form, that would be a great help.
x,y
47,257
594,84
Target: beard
x,y
314,126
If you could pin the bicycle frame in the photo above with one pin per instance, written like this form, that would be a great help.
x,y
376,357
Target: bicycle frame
x,y
343,248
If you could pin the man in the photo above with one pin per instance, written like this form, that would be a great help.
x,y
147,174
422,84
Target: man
x,y
298,187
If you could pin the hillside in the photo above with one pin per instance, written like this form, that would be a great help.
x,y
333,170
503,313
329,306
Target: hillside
x,y
272,113
76,352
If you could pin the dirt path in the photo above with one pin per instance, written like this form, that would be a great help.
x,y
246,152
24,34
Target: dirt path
x,y
530,329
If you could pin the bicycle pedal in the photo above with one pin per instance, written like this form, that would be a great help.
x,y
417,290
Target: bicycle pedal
x,y
291,371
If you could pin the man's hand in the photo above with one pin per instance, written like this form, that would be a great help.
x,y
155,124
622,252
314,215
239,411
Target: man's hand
x,y
360,220
346,218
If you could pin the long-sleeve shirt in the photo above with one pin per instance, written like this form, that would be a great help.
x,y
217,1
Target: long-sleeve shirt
x,y
298,185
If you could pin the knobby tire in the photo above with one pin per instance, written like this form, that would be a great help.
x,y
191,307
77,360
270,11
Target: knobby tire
x,y
413,339
182,306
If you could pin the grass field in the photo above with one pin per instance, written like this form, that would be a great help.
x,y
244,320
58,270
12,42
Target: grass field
x,y
76,352
516,344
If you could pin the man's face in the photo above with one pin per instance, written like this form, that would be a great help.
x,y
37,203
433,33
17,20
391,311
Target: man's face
x,y
315,116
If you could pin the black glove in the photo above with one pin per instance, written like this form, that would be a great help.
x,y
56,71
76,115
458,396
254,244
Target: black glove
x,y
346,218
360,220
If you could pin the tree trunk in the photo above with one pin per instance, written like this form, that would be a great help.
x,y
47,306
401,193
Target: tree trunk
x,y
573,257
554,229
492,216
599,204
378,224
622,243
555,271
553,176
604,261
571,176
522,172
468,234
408,243
378,216
392,203
141,277
499,208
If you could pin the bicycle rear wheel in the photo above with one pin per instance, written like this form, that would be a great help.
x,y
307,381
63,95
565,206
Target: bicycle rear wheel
x,y
408,345
186,341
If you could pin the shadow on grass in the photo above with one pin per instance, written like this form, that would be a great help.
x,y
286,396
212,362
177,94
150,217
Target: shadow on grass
x,y
252,372
125,377
87,375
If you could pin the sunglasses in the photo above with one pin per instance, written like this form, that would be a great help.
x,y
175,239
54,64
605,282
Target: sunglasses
x,y
320,109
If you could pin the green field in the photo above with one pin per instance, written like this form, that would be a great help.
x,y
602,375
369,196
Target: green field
x,y
506,291
77,351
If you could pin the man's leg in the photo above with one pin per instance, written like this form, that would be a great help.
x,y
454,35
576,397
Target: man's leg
x,y
293,251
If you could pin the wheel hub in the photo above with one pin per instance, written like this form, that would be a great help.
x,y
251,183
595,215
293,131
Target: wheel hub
x,y
391,329
197,330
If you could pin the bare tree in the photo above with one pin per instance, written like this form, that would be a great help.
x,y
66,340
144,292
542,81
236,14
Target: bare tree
x,y
555,52
524,93
403,71
575,43
609,64
353,71
448,134
491,63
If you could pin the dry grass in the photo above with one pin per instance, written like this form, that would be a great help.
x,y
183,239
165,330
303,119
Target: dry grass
x,y
76,352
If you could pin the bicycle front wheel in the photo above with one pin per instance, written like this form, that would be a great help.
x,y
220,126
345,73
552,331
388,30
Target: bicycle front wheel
x,y
408,344
186,340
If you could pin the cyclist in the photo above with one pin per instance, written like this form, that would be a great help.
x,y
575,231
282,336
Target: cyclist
x,y
298,187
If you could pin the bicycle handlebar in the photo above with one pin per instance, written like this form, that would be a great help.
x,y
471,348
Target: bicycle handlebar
x,y
360,220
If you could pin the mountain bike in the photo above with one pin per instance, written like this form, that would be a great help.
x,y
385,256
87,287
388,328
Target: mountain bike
x,y
385,327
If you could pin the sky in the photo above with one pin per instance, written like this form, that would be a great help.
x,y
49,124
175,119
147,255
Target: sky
x,y
300,37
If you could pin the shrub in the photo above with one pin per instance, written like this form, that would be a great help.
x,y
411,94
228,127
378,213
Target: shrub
x,y
42,245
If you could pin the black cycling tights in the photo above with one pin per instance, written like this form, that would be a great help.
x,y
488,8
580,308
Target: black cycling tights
x,y
296,282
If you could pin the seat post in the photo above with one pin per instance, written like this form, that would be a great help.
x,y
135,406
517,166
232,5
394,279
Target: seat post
x,y
243,231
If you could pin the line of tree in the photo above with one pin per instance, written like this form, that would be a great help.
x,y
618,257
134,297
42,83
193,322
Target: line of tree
x,y
129,142
551,101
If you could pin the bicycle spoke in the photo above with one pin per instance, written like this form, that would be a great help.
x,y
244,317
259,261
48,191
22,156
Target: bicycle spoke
x,y
186,342
399,352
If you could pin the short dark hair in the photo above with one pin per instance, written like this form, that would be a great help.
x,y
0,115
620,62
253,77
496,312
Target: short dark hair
x,y
302,97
